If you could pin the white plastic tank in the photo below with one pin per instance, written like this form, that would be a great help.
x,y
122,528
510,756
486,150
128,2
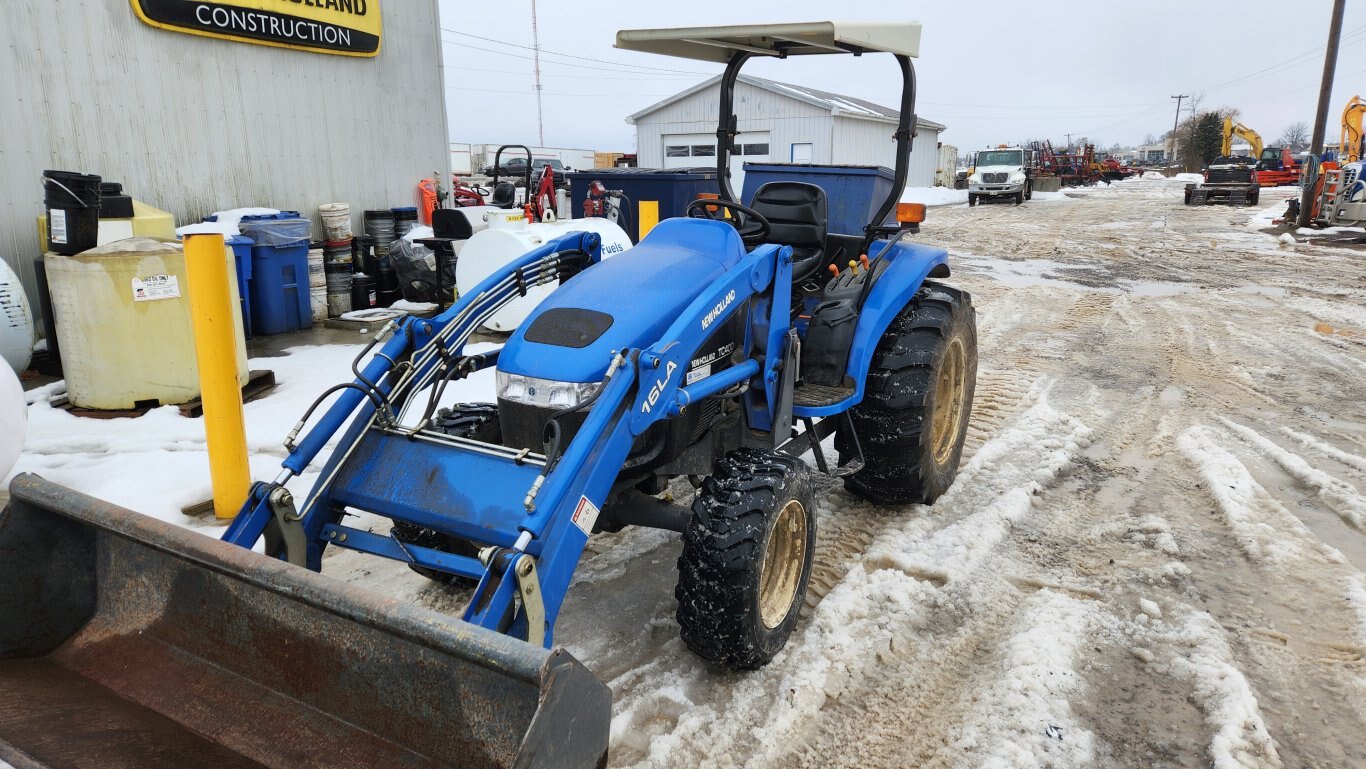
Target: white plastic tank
x,y
13,420
509,237
123,324
16,321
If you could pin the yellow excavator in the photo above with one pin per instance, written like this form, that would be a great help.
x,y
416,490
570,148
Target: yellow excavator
x,y
1232,129
1351,140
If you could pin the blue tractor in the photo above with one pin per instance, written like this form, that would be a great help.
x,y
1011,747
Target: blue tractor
x,y
723,349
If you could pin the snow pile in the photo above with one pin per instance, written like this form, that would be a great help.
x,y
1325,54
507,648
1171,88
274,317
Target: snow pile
x,y
1024,718
1264,529
1356,596
934,196
227,222
1241,739
1286,239
1339,495
1189,178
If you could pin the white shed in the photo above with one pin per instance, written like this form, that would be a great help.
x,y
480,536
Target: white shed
x,y
779,123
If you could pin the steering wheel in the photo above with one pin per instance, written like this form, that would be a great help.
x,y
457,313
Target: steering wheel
x,y
751,224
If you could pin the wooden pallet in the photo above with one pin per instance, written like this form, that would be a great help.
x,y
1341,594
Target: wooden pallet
x,y
258,383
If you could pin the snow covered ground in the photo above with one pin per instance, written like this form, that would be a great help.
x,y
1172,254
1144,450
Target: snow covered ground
x,y
1152,557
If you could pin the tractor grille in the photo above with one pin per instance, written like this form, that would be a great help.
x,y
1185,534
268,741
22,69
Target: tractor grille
x,y
995,178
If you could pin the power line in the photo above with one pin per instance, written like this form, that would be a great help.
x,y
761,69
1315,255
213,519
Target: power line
x,y
574,56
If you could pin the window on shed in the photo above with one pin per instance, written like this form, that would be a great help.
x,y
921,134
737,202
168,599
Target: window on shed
x,y
754,149
676,151
704,150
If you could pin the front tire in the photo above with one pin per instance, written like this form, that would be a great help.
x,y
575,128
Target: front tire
x,y
972,199
917,402
747,553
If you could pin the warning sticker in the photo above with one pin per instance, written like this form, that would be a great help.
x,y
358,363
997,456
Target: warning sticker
x,y
57,220
155,287
699,373
585,515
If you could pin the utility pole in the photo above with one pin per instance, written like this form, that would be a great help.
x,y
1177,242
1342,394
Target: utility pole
x,y
1330,63
1171,140
1069,142
536,58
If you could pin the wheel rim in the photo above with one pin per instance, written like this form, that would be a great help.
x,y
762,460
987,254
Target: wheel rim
x,y
784,557
948,402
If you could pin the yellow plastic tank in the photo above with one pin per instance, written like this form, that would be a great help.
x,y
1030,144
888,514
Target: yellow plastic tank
x,y
123,324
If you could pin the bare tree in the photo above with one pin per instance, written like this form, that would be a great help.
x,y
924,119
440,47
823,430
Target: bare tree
x,y
1149,139
1295,136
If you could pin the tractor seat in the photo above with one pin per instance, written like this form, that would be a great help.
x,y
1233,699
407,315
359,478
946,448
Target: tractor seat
x,y
504,195
797,213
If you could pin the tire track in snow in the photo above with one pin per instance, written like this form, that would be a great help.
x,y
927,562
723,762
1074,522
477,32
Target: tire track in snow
x,y
1202,658
992,493
1263,528
1339,495
672,711
1024,717
1328,450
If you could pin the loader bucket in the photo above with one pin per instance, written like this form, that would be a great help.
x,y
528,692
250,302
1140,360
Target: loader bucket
x,y
129,642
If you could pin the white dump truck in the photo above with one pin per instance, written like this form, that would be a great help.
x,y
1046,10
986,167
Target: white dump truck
x,y
1002,172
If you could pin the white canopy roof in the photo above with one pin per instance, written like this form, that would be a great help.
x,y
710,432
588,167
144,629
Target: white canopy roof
x,y
718,43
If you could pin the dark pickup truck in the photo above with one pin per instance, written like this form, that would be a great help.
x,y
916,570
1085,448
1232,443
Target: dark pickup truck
x,y
1228,179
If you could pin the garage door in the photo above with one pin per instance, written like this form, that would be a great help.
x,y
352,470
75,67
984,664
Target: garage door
x,y
699,150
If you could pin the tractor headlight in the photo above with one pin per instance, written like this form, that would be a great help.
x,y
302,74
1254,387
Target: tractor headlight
x,y
534,391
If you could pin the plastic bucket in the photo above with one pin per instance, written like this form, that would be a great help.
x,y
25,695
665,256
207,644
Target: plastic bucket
x,y
363,294
379,225
338,288
317,302
315,267
404,219
73,211
363,254
336,218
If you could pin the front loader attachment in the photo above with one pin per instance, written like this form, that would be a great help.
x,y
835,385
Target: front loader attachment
x,y
129,642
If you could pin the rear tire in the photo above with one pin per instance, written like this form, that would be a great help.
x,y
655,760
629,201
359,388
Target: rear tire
x,y
917,402
1029,191
1254,196
747,553
477,421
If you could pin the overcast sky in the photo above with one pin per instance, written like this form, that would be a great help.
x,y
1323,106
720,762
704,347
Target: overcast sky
x,y
992,71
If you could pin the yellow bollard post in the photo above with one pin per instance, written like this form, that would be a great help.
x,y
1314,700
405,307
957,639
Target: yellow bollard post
x,y
215,345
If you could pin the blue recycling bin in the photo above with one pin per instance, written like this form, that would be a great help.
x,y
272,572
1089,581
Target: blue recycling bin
x,y
241,256
279,288
852,193
670,189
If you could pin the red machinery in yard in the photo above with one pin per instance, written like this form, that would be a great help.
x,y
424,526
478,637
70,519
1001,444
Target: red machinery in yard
x,y
1277,166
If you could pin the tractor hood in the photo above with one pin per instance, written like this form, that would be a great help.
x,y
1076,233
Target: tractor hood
x,y
628,301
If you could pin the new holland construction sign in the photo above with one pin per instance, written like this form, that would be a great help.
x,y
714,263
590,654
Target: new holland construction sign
x,y
346,27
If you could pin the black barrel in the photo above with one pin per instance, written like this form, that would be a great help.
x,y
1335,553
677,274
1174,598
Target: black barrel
x,y
388,291
73,211
363,254
363,294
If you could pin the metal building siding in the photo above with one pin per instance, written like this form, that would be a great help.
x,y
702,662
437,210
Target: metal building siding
x,y
193,125
786,119
859,141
